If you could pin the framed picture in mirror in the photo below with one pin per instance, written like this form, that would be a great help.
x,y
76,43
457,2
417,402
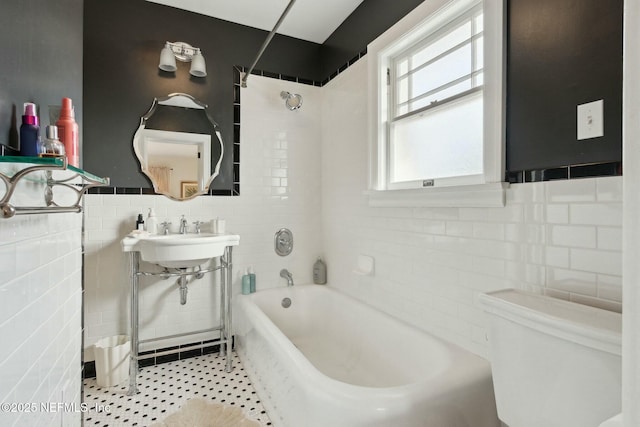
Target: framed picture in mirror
x,y
188,189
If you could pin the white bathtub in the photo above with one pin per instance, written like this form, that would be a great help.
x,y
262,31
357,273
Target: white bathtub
x,y
329,361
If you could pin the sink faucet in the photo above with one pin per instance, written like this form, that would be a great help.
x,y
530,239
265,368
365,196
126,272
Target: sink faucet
x,y
183,225
165,227
284,273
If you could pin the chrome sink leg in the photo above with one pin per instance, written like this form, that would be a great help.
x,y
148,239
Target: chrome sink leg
x,y
226,274
134,263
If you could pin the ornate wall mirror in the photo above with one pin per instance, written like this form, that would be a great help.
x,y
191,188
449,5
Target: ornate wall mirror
x,y
179,146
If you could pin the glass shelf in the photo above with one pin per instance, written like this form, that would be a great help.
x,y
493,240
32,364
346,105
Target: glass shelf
x,y
52,172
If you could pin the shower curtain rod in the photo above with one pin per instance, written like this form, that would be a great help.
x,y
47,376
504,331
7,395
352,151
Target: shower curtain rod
x,y
243,83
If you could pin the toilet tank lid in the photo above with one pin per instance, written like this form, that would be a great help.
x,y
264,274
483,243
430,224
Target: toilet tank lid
x,y
584,324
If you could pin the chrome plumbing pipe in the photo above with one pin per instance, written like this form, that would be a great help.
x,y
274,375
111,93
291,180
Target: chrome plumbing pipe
x,y
243,83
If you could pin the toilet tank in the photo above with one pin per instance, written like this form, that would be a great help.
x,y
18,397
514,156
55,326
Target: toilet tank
x,y
555,363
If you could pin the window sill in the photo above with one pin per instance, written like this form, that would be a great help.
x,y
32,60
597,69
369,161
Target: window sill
x,y
474,196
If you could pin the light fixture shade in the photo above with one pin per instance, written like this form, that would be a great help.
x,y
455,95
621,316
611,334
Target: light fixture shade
x,y
167,60
198,66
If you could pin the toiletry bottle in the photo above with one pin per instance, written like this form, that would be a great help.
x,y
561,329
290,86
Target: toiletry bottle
x,y
319,272
152,222
29,131
252,280
68,132
51,147
246,284
140,223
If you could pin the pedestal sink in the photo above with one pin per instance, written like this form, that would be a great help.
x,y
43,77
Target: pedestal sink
x,y
179,250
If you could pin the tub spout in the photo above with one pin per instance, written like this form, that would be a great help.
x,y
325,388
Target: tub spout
x,y
284,273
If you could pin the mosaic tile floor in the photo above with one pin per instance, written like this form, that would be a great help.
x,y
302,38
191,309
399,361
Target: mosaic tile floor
x,y
164,388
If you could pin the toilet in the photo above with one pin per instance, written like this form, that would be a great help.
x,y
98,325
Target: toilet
x,y
555,363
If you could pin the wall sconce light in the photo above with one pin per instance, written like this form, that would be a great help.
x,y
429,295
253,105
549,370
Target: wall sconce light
x,y
183,52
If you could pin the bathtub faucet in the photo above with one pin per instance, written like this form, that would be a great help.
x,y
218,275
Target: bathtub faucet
x,y
284,273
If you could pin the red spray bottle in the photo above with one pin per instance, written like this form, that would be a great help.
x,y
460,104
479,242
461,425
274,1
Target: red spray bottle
x,y
68,132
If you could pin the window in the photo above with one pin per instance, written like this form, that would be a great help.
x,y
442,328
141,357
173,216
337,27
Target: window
x,y
437,109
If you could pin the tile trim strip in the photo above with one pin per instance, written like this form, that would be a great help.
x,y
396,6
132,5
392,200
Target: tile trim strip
x,y
589,170
89,368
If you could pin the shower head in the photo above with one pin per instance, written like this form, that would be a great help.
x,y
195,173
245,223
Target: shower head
x,y
292,101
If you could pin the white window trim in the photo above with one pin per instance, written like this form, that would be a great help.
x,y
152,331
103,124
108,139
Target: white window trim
x,y
430,14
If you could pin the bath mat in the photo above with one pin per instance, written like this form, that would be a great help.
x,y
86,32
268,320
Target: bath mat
x,y
200,413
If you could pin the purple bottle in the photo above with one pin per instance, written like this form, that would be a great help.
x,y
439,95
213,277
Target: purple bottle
x,y
29,131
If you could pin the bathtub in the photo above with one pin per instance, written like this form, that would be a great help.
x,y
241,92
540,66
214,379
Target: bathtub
x,y
330,360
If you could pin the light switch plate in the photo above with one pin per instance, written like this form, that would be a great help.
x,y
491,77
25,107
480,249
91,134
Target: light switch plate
x,y
591,120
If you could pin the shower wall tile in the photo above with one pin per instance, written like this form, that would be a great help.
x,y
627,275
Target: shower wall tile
x,y
561,238
280,175
40,314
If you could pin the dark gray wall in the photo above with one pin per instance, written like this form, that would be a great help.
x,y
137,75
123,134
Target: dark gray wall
x,y
365,24
562,53
41,53
123,39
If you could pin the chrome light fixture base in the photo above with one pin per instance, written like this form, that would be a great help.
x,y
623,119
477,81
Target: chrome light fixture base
x,y
183,52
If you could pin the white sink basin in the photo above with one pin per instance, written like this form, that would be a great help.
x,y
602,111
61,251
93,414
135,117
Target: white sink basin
x,y
179,250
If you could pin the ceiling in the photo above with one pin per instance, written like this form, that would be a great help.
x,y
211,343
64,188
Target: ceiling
x,y
310,20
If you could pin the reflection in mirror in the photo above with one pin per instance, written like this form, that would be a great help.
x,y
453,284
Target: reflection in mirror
x,y
179,146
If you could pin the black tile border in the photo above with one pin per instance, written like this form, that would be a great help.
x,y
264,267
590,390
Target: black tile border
x,y
89,370
590,170
309,82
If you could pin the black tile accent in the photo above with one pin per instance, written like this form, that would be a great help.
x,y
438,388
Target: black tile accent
x,y
236,133
236,172
546,174
591,170
168,357
270,74
190,353
236,75
236,189
147,191
102,190
236,153
256,72
214,192
597,169
147,362
89,370
236,94
288,78
129,190
236,114
344,67
306,82
211,349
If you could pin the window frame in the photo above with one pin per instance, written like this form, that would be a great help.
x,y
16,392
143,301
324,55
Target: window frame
x,y
421,23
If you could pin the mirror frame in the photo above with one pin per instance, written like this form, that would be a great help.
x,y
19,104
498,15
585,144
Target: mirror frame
x,y
185,101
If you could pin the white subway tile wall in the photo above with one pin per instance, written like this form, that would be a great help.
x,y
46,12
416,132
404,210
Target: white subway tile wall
x,y
280,187
40,316
560,237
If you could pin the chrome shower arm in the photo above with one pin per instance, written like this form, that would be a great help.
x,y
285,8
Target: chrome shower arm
x,y
243,83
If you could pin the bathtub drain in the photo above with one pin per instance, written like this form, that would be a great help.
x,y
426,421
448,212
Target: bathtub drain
x,y
286,302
